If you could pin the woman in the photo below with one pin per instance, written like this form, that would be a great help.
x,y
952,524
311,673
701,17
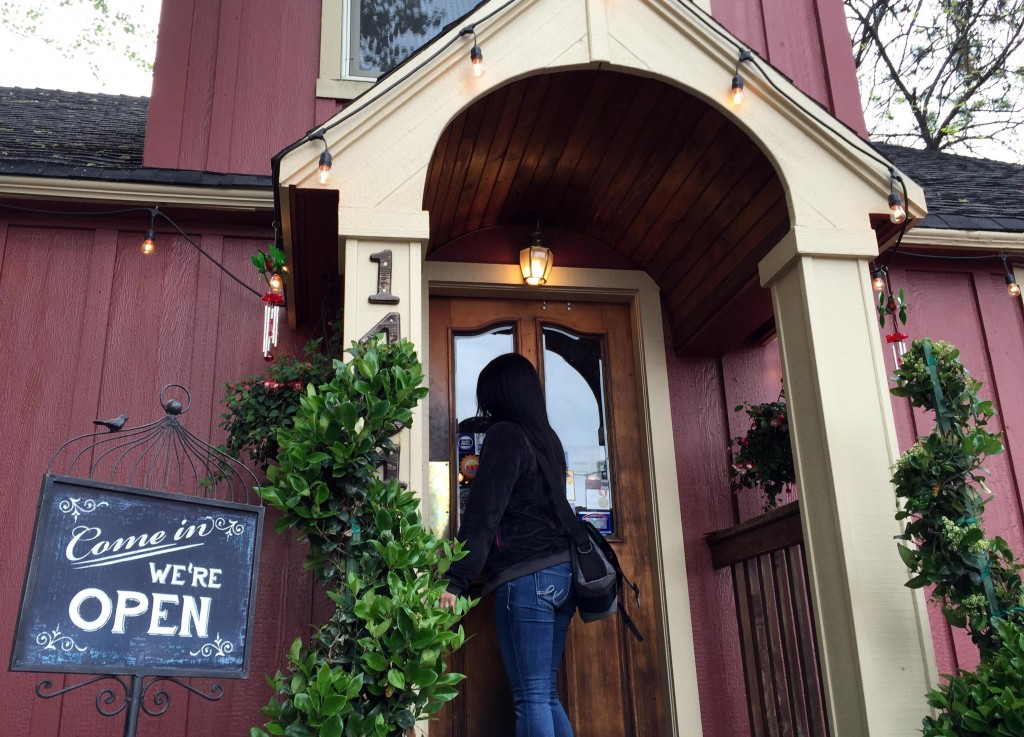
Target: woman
x,y
514,537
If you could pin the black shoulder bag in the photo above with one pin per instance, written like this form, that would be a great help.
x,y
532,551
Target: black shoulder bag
x,y
597,575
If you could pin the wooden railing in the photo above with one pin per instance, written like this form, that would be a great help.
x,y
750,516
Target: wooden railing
x,y
776,625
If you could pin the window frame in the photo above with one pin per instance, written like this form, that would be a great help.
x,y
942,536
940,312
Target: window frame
x,y
335,40
337,35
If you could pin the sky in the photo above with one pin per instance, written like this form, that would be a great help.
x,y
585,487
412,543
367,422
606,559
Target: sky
x,y
32,62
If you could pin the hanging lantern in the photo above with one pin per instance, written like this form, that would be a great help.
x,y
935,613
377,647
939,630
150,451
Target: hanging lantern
x,y
536,261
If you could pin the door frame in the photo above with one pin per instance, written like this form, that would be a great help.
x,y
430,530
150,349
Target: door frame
x,y
639,291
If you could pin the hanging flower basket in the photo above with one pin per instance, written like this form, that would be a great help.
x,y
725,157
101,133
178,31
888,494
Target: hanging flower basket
x,y
763,457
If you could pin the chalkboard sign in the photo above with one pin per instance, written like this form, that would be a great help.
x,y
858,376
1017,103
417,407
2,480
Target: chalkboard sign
x,y
132,581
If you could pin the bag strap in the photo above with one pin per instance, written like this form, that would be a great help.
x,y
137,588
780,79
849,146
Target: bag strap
x,y
582,538
562,507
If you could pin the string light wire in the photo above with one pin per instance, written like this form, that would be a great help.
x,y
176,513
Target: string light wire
x,y
153,212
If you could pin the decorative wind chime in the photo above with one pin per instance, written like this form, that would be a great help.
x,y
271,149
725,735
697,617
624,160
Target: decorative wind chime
x,y
891,305
271,267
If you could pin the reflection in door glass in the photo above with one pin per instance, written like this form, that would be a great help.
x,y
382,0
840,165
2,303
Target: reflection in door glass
x,y
574,386
472,353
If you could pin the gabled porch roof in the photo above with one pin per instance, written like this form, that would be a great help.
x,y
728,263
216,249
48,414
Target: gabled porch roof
x,y
701,191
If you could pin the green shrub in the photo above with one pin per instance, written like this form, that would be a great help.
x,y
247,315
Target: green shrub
x,y
378,664
988,701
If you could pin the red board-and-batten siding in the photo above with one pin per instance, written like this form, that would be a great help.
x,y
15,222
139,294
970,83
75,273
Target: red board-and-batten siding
x,y
91,329
235,80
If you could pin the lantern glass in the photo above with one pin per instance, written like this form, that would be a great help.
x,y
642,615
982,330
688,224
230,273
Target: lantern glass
x,y
535,262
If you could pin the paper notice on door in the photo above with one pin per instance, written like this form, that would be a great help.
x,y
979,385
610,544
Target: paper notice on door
x,y
598,494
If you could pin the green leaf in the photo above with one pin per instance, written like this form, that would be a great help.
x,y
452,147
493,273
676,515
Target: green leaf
x,y
396,679
909,556
334,704
375,661
917,582
331,727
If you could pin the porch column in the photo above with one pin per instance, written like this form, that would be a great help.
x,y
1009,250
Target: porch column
x,y
874,642
381,258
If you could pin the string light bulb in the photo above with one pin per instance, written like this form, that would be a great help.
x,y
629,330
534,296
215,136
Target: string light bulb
x,y
148,244
737,91
1012,287
325,168
897,212
737,95
276,283
476,54
476,58
878,280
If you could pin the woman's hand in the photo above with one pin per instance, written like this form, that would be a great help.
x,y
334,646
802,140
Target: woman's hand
x,y
447,600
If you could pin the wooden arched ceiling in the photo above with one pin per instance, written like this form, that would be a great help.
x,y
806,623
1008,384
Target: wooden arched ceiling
x,y
641,166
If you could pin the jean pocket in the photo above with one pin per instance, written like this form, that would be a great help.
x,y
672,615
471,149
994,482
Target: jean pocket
x,y
554,584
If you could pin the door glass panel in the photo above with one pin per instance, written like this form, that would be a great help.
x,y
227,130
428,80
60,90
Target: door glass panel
x,y
574,386
472,352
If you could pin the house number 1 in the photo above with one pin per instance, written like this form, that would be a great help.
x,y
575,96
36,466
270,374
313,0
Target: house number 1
x,y
383,296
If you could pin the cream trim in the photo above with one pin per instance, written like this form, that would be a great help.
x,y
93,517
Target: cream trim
x,y
138,193
358,222
964,239
801,241
638,289
341,89
331,19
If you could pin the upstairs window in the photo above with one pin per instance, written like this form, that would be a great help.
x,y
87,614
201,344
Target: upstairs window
x,y
380,34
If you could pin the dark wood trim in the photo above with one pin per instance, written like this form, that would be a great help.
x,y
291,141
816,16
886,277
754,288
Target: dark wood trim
x,y
775,530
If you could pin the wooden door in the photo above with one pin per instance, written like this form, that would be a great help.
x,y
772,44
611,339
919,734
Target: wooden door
x,y
611,685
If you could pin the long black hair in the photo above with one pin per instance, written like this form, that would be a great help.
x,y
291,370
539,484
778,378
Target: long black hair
x,y
509,390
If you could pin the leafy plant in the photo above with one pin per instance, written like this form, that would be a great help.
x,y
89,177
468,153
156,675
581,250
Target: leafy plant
x,y
988,701
940,483
258,407
763,458
377,666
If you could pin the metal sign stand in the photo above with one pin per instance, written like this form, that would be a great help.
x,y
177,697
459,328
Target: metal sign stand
x,y
110,704
166,448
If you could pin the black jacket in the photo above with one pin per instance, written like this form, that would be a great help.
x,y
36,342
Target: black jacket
x,y
510,527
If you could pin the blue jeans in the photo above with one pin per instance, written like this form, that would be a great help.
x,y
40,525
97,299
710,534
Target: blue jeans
x,y
532,614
